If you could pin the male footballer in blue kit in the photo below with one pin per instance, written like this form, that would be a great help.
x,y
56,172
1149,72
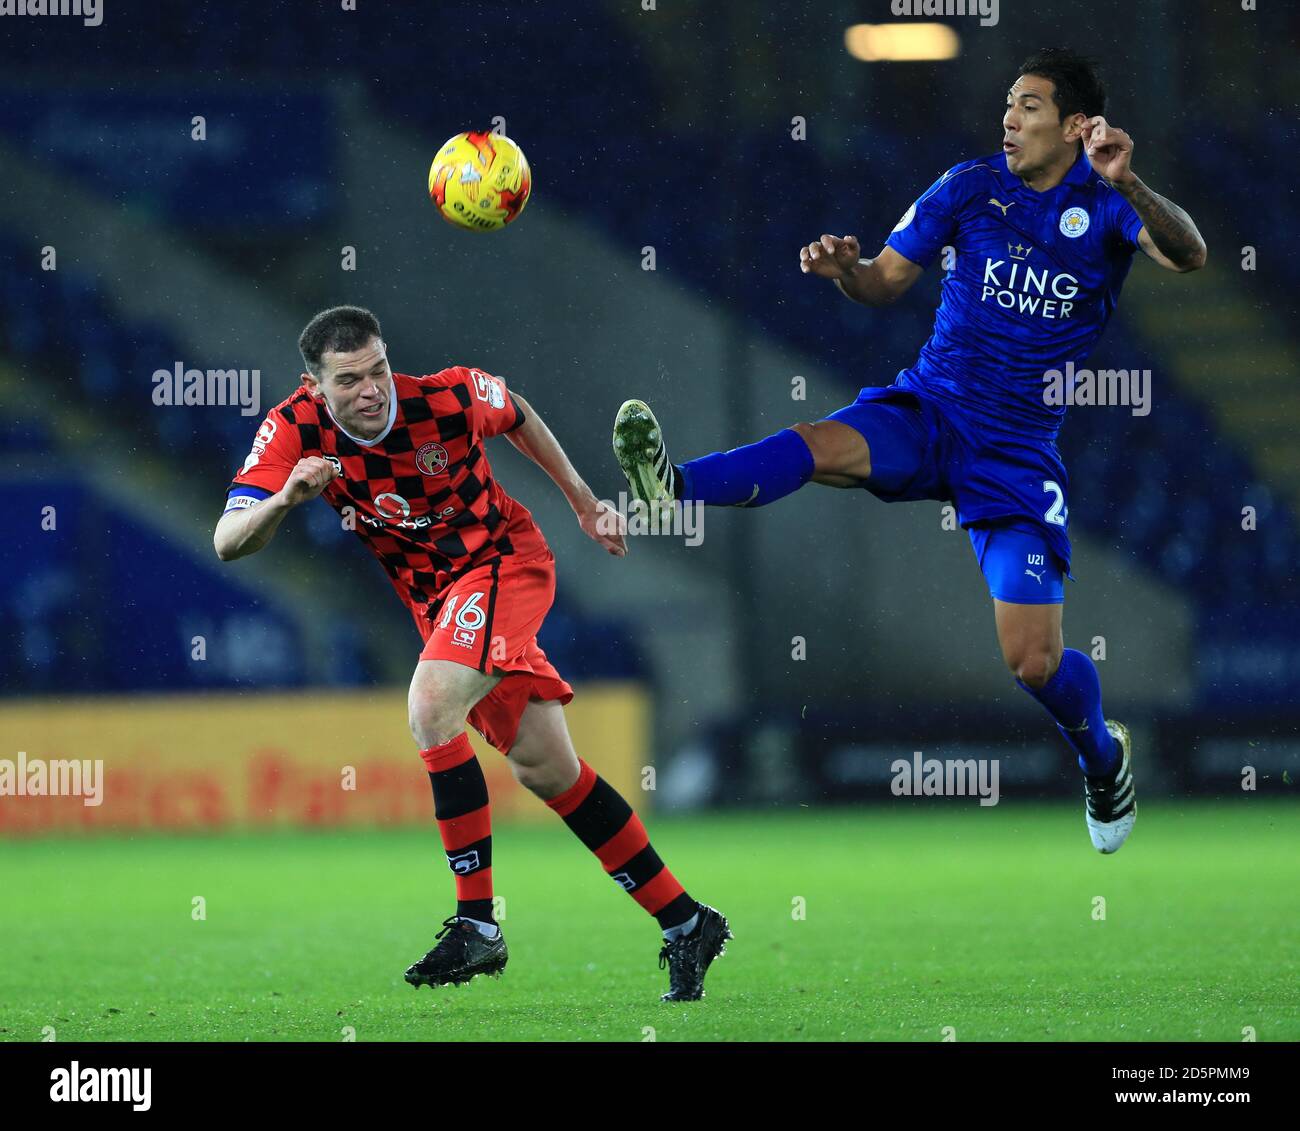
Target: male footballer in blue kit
x,y
1044,234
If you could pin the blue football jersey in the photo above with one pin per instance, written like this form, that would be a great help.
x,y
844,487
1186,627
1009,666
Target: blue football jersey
x,y
1033,279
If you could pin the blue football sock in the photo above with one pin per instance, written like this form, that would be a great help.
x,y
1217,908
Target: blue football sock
x,y
1073,698
750,476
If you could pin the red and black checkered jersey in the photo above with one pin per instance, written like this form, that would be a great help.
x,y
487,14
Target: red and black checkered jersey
x,y
423,495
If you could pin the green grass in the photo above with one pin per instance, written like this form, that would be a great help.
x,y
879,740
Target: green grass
x,y
918,917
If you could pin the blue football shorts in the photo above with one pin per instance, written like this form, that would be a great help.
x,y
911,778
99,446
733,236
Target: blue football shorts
x,y
1009,490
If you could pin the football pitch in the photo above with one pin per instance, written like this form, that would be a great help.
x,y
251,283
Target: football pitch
x,y
892,923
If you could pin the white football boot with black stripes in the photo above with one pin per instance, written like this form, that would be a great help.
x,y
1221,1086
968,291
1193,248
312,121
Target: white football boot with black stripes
x,y
1110,805
640,451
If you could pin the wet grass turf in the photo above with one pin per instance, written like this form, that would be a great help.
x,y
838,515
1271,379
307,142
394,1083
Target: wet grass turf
x,y
917,917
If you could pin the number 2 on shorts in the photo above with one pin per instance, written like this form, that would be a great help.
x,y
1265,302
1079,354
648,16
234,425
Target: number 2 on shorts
x,y
1058,512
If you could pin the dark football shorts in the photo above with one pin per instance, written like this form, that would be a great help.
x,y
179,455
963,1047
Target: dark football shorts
x,y
1009,491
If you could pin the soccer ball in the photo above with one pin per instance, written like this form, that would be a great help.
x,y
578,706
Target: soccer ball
x,y
480,181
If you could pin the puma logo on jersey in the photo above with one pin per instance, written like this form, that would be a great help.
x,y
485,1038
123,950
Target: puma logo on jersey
x,y
997,203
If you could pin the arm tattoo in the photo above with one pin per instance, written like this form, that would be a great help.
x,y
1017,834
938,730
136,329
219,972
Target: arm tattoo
x,y
1170,228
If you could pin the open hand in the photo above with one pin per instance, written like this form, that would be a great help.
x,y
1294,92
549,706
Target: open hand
x,y
603,524
829,257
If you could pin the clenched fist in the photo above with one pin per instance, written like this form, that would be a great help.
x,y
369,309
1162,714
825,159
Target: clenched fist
x,y
1110,150
310,476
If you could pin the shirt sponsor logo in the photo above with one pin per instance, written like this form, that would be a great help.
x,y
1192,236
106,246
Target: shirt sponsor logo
x,y
420,523
1018,286
392,507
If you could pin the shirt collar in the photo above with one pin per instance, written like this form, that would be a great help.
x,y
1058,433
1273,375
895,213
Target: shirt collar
x,y
1078,174
1080,171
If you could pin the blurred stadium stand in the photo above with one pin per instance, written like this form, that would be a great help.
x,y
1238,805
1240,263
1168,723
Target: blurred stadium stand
x,y
635,144
62,324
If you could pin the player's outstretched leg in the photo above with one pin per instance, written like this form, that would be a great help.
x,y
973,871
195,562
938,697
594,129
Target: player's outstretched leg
x,y
544,761
641,453
470,942
1066,683
750,476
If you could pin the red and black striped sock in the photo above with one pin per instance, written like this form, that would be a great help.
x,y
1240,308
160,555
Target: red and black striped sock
x,y
460,802
605,823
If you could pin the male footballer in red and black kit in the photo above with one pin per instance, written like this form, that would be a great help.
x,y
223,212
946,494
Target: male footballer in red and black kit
x,y
404,458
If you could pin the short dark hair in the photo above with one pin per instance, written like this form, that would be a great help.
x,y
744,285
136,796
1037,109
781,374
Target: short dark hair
x,y
340,329
1077,87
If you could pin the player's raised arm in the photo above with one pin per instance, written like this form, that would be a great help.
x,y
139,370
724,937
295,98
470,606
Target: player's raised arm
x,y
245,531
872,282
598,520
1168,234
